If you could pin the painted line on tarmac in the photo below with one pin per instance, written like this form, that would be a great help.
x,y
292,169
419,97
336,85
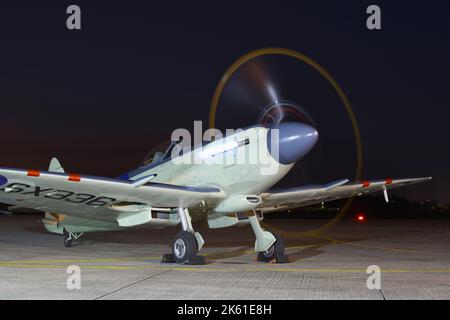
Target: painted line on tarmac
x,y
243,252
105,259
355,244
380,248
290,234
77,260
215,269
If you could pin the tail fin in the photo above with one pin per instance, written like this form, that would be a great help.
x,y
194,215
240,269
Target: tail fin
x,y
54,166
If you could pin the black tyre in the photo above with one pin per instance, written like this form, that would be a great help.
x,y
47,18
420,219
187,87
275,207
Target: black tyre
x,y
276,250
67,239
184,247
67,243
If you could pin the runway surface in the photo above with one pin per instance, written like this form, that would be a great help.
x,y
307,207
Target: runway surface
x,y
413,255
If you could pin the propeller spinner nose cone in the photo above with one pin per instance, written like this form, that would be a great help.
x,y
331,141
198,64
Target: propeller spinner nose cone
x,y
292,142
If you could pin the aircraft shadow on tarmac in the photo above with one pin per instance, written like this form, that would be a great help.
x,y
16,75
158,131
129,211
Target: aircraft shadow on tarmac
x,y
298,247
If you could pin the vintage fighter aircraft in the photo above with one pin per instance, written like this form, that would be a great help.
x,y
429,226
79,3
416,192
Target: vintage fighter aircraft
x,y
167,192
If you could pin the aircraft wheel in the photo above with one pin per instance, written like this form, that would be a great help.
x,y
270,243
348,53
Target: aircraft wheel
x,y
67,239
274,252
184,247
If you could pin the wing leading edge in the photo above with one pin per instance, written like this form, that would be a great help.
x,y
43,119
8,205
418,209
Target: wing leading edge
x,y
94,197
309,195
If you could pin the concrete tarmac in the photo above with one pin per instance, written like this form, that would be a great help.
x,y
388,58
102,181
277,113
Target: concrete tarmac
x,y
413,256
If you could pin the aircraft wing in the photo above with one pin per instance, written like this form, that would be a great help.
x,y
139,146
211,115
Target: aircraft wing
x,y
95,197
309,195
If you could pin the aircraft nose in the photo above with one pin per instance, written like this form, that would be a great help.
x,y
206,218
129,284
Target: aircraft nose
x,y
294,140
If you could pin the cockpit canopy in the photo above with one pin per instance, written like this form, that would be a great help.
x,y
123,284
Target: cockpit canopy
x,y
159,153
164,150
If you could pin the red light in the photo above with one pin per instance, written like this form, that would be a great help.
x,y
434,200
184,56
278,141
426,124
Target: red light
x,y
361,217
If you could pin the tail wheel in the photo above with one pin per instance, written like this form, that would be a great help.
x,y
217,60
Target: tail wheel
x,y
184,247
275,250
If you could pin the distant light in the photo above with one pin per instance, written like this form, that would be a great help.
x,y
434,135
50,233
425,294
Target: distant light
x,y
361,217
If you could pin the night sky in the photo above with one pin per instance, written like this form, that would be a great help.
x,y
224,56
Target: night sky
x,y
101,97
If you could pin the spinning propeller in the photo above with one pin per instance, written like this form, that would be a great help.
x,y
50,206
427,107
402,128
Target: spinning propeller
x,y
283,93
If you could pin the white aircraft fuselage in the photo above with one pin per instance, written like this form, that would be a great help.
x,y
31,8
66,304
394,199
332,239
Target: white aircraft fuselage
x,y
238,164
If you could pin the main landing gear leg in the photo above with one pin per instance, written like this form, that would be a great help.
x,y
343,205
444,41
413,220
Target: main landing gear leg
x,y
187,243
69,236
268,246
